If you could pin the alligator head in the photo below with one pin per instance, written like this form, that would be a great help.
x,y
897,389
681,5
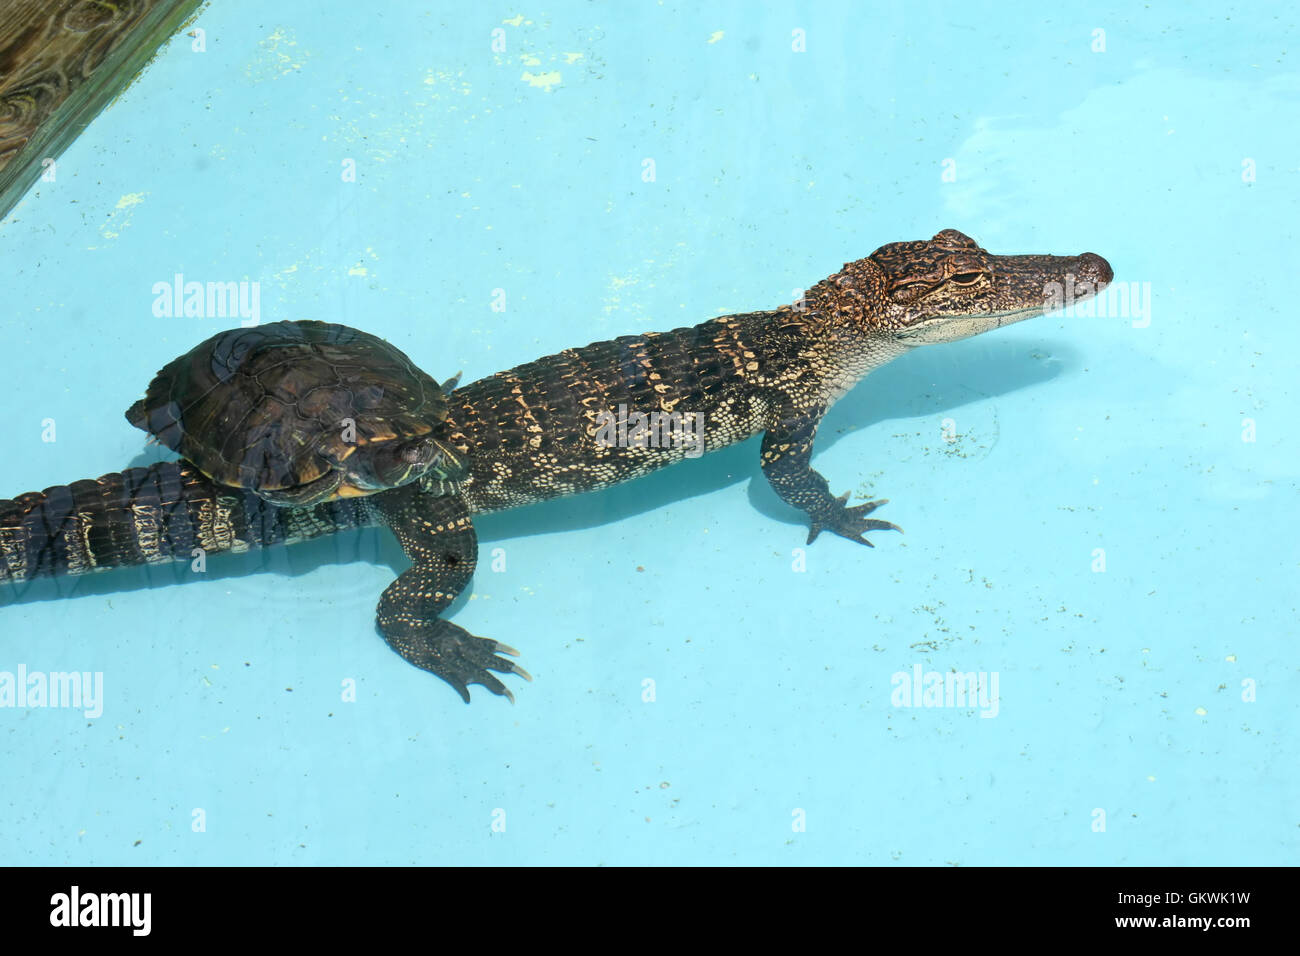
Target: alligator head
x,y
948,288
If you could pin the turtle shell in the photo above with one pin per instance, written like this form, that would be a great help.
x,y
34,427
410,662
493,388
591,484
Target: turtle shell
x,y
302,412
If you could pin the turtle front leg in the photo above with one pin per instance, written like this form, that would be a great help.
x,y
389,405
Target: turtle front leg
x,y
437,535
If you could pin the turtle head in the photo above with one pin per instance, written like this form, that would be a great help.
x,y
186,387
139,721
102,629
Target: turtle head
x,y
427,460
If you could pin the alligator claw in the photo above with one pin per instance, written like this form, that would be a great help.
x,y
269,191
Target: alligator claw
x,y
851,523
458,657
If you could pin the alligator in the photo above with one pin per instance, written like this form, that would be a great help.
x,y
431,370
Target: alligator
x,y
557,426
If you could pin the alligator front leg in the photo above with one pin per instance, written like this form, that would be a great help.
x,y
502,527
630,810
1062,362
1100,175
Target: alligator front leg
x,y
437,535
786,455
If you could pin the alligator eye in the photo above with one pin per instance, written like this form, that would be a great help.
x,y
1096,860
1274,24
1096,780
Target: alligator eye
x,y
967,278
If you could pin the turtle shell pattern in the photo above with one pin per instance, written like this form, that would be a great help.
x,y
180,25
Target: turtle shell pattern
x,y
302,412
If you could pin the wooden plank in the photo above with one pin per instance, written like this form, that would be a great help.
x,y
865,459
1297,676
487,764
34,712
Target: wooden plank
x,y
61,62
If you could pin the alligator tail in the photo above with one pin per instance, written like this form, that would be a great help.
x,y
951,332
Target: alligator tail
x,y
166,512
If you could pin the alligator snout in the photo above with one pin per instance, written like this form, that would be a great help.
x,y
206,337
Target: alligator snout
x,y
1093,268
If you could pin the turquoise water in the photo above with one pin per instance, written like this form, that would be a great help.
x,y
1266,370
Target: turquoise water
x,y
1111,531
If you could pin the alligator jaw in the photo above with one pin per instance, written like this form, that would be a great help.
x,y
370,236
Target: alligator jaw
x,y
954,328
1020,287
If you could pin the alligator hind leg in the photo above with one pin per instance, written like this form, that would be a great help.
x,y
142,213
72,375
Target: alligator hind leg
x,y
785,457
437,535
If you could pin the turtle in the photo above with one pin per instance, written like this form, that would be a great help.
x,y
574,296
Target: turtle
x,y
303,412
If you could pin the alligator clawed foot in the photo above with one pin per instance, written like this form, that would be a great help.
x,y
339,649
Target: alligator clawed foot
x,y
851,523
458,657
